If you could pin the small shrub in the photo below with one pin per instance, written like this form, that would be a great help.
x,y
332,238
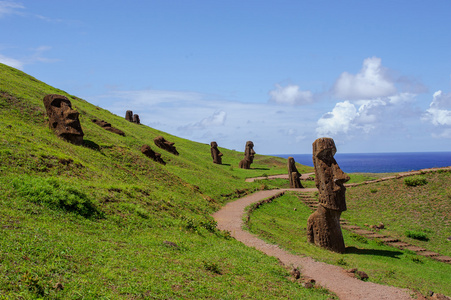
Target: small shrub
x,y
373,191
378,242
418,235
359,238
416,180
416,260
210,225
342,262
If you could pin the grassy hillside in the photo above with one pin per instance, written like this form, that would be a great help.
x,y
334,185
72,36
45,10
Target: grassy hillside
x,y
102,221
423,210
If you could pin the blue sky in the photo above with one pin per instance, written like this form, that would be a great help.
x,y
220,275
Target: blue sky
x,y
373,75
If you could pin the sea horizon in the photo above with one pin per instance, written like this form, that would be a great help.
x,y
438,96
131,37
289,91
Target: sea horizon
x,y
382,162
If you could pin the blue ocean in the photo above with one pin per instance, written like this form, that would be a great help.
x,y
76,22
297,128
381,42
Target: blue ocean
x,y
382,162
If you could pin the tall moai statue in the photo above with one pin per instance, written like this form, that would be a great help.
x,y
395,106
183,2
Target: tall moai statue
x,y
293,174
249,154
63,119
323,226
215,153
129,115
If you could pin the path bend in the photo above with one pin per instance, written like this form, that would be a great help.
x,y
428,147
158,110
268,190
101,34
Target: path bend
x,y
331,277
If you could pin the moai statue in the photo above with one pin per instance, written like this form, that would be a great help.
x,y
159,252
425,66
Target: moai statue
x,y
107,126
324,224
215,154
249,154
63,120
166,145
293,174
147,151
136,119
129,115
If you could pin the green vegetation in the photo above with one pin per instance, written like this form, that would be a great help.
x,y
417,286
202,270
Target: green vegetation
x,y
418,235
278,222
102,221
404,208
416,180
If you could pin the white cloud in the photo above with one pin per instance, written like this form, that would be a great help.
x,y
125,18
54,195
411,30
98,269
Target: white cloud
x,y
9,7
439,111
371,82
35,56
290,94
11,62
338,120
205,118
364,115
446,133
216,119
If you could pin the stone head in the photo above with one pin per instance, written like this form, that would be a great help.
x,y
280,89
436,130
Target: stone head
x,y
136,119
249,152
291,164
215,153
166,145
329,178
129,115
63,119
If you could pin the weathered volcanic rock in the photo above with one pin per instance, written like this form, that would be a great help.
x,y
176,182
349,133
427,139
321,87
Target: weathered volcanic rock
x,y
63,119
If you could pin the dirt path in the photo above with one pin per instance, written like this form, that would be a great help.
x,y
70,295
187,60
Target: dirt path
x,y
331,277
282,176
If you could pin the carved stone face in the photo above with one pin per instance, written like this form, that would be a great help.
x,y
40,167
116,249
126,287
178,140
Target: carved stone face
x,y
162,143
329,178
215,153
293,174
249,152
63,120
129,115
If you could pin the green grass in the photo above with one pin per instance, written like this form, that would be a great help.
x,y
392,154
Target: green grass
x,y
284,222
102,221
404,208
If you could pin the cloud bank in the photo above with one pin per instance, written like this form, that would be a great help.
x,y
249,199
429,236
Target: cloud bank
x,y
439,114
290,94
371,82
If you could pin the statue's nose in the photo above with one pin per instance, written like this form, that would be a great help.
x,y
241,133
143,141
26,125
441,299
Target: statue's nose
x,y
340,177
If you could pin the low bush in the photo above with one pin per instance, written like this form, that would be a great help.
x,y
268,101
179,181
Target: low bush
x,y
415,180
418,235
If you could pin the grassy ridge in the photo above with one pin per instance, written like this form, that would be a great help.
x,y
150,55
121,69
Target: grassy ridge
x,y
102,221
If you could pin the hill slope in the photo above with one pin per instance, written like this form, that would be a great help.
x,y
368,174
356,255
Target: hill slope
x,y
103,221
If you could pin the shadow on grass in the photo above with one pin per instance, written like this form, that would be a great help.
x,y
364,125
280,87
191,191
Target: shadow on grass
x,y
386,253
259,168
226,165
91,145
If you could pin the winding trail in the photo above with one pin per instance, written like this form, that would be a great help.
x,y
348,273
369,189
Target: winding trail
x,y
331,277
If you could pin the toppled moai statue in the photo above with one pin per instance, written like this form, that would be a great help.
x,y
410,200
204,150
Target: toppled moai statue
x,y
147,151
165,145
129,115
63,120
249,154
324,224
136,119
293,174
107,126
215,153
